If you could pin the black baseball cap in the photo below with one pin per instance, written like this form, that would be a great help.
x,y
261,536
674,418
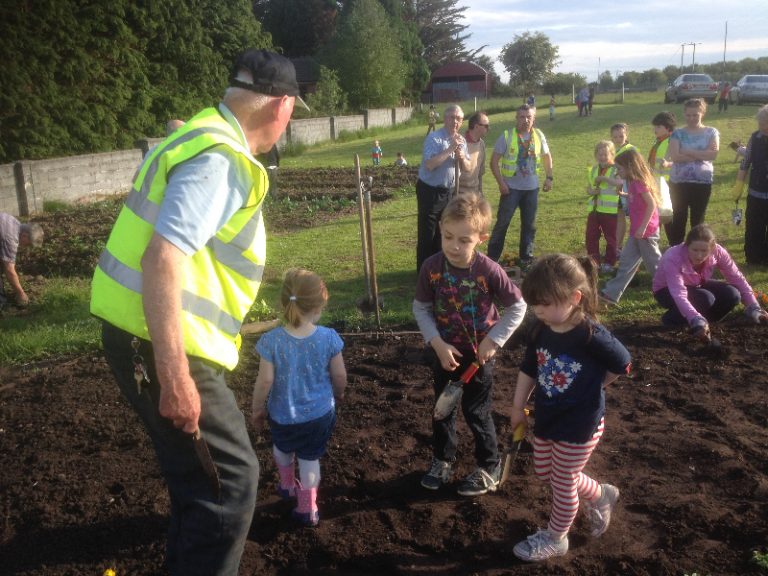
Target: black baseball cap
x,y
272,73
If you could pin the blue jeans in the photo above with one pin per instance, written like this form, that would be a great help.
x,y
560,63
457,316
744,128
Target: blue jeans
x,y
206,536
528,201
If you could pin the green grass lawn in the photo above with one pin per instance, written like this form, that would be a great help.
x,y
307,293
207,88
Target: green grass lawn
x,y
333,248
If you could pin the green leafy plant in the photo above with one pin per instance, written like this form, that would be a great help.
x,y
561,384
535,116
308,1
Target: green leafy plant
x,y
760,558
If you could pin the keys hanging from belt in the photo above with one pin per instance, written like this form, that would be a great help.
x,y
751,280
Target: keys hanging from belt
x,y
139,366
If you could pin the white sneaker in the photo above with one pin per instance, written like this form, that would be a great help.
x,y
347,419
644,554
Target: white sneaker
x,y
540,546
599,513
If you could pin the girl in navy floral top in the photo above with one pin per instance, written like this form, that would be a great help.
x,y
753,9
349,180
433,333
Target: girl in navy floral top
x,y
569,361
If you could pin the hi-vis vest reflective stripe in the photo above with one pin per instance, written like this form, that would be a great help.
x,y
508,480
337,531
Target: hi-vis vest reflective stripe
x,y
624,148
219,281
607,200
508,164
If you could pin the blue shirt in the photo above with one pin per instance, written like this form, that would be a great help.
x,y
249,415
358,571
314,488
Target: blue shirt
x,y
202,195
698,171
443,176
302,389
569,369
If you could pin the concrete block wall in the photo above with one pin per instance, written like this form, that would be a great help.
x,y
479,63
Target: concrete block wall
x,y
379,117
77,178
309,131
347,124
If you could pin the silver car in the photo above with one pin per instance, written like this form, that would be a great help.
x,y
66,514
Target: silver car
x,y
691,86
751,88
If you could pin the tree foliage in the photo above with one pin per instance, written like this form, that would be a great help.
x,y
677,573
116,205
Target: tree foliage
x,y
561,83
328,98
298,27
367,57
78,78
529,59
441,31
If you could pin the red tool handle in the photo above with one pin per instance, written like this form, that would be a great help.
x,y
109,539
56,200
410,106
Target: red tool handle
x,y
469,372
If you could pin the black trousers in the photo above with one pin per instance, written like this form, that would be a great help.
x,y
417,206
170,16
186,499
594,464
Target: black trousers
x,y
431,201
686,196
756,231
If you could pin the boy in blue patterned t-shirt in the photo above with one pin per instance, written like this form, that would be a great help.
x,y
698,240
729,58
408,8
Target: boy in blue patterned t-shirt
x,y
455,308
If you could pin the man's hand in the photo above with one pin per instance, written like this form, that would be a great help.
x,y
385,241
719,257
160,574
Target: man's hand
x,y
22,300
180,401
547,185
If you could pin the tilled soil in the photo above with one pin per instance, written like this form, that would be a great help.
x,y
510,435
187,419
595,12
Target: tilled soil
x,y
685,442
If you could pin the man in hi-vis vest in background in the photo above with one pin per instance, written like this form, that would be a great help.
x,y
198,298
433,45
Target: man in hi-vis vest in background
x,y
180,271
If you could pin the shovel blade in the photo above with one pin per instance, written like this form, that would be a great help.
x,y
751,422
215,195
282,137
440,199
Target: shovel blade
x,y
448,400
511,453
204,455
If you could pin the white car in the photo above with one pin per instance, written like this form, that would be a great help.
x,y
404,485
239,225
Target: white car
x,y
691,86
751,88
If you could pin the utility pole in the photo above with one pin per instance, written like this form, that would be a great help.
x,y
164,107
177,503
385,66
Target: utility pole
x,y
725,43
682,56
693,62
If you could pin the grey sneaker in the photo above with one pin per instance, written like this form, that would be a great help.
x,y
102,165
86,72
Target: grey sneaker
x,y
481,481
599,513
540,546
439,473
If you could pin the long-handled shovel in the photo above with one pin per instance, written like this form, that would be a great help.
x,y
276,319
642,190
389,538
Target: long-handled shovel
x,y
511,453
204,455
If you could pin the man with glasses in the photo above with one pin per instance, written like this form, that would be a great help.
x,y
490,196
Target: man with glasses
x,y
442,150
472,180
519,158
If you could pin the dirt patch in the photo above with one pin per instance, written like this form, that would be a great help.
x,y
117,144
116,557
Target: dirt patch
x,y
685,441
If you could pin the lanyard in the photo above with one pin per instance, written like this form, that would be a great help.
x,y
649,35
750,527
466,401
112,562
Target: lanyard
x,y
457,303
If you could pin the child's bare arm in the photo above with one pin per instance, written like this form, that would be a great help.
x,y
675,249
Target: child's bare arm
x,y
338,376
261,390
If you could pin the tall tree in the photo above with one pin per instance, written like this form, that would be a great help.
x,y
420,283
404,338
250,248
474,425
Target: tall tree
x,y
529,59
367,56
442,32
298,27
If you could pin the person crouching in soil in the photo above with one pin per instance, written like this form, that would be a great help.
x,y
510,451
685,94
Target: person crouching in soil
x,y
455,307
301,378
683,284
569,361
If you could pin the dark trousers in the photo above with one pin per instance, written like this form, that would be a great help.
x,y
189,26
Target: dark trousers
x,y
713,300
431,201
756,231
599,224
206,536
686,196
476,407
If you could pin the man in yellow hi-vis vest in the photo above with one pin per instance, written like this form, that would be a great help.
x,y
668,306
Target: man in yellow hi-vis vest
x,y
180,271
519,158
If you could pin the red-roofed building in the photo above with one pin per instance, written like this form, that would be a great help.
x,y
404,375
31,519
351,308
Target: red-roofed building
x,y
458,81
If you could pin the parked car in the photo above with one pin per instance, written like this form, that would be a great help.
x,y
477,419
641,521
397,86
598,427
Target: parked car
x,y
691,86
751,88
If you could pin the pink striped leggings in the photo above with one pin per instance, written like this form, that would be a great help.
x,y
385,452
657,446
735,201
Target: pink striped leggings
x,y
561,464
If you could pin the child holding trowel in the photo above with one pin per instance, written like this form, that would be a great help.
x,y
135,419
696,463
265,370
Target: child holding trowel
x,y
301,377
455,308
569,360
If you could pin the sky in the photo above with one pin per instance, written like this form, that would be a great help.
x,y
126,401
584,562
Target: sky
x,y
622,35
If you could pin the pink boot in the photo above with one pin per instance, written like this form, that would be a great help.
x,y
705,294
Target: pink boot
x,y
306,510
288,482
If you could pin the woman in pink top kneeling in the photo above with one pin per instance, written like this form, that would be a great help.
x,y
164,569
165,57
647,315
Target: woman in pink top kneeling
x,y
683,284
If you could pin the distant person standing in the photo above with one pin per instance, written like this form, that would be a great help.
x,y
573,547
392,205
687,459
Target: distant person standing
x,y
590,98
531,100
620,139
432,118
723,97
442,149
472,180
376,153
552,108
519,157
15,235
692,149
400,160
582,100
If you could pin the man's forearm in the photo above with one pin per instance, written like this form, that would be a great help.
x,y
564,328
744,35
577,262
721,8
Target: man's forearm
x,y
161,265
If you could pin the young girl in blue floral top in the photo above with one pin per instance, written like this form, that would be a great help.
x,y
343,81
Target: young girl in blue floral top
x,y
301,377
455,308
569,361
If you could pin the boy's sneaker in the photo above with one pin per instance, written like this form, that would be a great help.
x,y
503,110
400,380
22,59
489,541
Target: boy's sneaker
x,y
599,513
540,546
439,473
481,481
